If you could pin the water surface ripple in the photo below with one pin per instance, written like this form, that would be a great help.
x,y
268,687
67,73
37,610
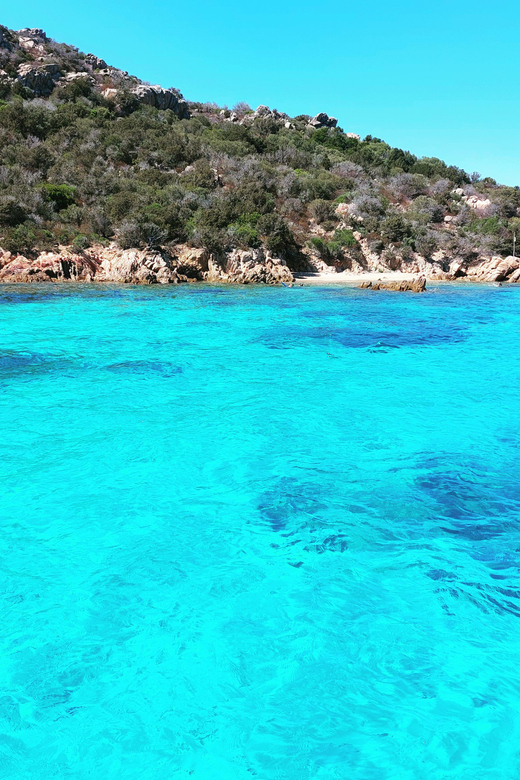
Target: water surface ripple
x,y
259,533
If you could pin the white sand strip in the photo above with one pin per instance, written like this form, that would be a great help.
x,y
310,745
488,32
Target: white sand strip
x,y
349,278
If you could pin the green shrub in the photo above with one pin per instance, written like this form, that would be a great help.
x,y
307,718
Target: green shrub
x,y
395,229
212,238
508,201
11,212
488,226
426,210
334,138
333,250
81,242
21,239
345,238
75,89
121,204
276,234
201,176
60,195
322,210
319,245
426,244
140,235
245,230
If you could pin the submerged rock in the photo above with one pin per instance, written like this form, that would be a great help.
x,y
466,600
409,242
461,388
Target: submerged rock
x,y
413,285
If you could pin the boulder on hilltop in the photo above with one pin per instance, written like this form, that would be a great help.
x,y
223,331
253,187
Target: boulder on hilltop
x,y
163,99
323,120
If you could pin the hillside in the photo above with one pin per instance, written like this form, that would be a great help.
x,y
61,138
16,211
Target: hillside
x,y
105,176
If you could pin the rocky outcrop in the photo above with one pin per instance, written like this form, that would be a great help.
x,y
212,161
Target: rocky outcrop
x,y
479,203
486,269
262,112
79,75
47,267
34,33
135,266
482,206
323,120
163,99
109,93
414,285
96,63
145,266
33,41
39,78
239,266
109,264
252,266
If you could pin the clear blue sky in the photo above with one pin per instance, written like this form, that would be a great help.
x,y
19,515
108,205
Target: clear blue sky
x,y
440,79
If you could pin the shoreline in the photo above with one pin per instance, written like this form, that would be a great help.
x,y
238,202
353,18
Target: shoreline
x,y
346,279
256,266
300,280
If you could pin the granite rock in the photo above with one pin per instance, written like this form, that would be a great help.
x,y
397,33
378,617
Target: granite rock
x,y
161,98
323,120
414,285
39,78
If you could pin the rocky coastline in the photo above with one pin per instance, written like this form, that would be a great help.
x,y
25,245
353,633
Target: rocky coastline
x,y
150,266
185,264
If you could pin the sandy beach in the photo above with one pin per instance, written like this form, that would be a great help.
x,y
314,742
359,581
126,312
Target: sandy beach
x,y
350,278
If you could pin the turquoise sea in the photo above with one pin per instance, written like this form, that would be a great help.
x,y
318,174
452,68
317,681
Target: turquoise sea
x,y
259,533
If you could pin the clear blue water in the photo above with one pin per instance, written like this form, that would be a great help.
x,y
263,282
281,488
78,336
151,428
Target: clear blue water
x,y
259,533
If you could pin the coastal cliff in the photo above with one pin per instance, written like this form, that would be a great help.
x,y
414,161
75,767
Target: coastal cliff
x,y
150,266
185,264
104,177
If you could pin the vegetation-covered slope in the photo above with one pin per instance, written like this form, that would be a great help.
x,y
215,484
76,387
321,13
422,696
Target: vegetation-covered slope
x,y
90,154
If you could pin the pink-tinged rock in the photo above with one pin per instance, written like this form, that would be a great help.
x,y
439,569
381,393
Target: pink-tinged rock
x,y
457,269
251,266
493,269
49,267
342,209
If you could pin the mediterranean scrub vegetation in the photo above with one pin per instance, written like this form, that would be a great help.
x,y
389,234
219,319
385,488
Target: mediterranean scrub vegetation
x,y
87,156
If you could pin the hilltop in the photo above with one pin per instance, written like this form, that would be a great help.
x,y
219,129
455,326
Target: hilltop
x,y
104,176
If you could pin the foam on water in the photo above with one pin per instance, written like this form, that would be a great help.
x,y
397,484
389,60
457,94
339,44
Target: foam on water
x,y
258,532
